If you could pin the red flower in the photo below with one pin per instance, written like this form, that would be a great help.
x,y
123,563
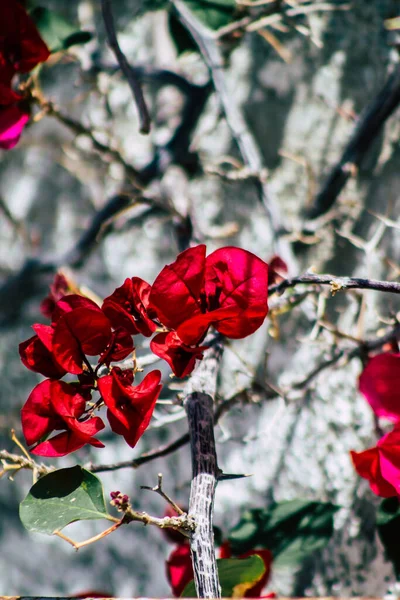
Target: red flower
x,y
179,356
381,465
21,47
380,384
82,331
129,407
36,353
38,415
265,555
12,122
58,405
179,569
128,307
120,346
228,290
70,302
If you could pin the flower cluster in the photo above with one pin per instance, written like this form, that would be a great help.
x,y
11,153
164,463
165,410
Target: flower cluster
x,y
380,465
226,290
21,49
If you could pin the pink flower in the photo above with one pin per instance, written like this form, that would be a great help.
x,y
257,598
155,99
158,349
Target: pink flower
x,y
381,465
12,122
228,290
380,384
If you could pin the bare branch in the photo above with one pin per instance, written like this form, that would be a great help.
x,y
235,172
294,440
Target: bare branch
x,y
336,283
144,117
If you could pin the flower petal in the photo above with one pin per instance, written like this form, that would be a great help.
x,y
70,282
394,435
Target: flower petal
x,y
380,385
180,357
175,294
79,332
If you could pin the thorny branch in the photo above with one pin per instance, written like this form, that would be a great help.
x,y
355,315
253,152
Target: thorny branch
x,y
144,117
199,400
336,283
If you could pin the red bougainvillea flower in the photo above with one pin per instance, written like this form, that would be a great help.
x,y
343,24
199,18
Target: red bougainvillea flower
x,y
21,47
129,407
381,465
80,332
380,384
228,290
54,405
179,569
36,353
12,122
128,307
120,346
179,356
265,555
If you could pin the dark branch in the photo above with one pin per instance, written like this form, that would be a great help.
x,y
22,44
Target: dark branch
x,y
198,403
144,117
337,283
368,127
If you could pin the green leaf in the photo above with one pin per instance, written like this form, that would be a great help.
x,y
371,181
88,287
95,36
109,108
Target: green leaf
x,y
292,530
213,13
388,525
58,33
62,497
235,575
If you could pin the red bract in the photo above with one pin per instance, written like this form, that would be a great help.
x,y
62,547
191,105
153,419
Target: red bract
x,y
36,353
179,356
21,46
228,290
12,122
129,407
56,405
120,346
83,331
179,569
70,302
38,415
380,384
128,307
381,465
